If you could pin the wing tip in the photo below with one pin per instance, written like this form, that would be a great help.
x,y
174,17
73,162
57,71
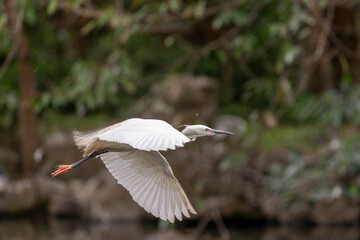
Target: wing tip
x,y
192,210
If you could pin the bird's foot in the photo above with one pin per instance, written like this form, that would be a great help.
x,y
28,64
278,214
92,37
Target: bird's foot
x,y
61,169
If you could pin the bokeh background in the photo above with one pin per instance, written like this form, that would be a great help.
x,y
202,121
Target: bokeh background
x,y
283,75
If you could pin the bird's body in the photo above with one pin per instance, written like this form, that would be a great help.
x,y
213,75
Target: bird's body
x,y
130,151
134,133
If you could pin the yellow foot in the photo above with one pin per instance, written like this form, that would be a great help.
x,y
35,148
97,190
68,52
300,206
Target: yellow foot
x,y
61,169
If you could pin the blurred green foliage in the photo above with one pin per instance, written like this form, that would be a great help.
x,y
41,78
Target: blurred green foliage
x,y
300,164
331,174
92,56
89,56
100,55
331,108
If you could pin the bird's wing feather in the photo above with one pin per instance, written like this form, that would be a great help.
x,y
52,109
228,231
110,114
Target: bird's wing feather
x,y
150,181
145,134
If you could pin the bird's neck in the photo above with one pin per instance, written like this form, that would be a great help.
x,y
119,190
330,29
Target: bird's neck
x,y
190,134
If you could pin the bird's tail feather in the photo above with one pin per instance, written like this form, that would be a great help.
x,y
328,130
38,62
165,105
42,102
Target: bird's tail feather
x,y
84,139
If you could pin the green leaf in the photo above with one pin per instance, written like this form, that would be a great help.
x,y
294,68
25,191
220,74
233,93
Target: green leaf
x,y
88,27
221,55
199,9
2,22
51,7
105,17
174,5
30,13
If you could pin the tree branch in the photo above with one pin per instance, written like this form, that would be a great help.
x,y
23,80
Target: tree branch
x,y
15,32
321,43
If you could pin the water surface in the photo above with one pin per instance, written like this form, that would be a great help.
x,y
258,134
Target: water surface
x,y
65,229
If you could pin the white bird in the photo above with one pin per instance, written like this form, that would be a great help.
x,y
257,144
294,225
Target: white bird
x,y
130,151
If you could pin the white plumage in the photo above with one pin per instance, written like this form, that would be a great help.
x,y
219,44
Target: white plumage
x,y
146,134
150,181
136,164
130,151
137,133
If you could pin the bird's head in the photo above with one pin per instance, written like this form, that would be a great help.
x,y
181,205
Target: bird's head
x,y
194,131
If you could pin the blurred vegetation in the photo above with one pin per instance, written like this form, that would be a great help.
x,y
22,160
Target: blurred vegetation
x,y
298,60
333,175
100,55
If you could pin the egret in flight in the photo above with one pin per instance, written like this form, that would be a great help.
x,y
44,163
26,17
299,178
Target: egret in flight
x,y
130,151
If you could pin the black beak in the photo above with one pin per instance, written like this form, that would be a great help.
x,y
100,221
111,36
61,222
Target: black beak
x,y
221,132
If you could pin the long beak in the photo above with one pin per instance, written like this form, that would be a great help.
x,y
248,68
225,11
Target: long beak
x,y
221,132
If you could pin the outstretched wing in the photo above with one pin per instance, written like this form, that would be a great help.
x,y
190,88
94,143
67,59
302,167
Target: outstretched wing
x,y
145,134
150,181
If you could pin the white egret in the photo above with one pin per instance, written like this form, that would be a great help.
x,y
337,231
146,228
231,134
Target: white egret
x,y
130,151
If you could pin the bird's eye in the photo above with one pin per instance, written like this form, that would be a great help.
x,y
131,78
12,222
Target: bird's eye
x,y
207,129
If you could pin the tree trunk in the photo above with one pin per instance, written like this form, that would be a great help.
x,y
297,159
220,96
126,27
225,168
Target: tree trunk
x,y
26,116
331,55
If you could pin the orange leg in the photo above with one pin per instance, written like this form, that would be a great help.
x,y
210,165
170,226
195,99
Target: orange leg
x,y
65,168
61,169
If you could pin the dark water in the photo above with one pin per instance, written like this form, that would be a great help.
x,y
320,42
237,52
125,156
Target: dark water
x,y
55,229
